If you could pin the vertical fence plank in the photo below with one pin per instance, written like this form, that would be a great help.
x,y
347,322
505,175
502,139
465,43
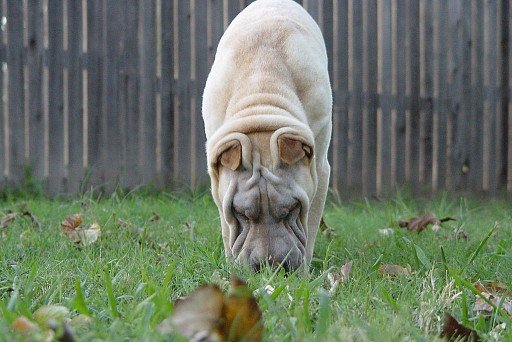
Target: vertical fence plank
x,y
425,141
147,53
399,91
384,87
412,113
355,89
167,89
16,138
440,89
75,41
111,142
182,115
95,128
201,73
3,91
129,87
509,138
474,167
501,94
490,103
55,91
340,89
215,26
35,70
462,153
370,99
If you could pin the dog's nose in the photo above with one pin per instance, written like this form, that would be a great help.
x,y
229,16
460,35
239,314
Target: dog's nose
x,y
257,260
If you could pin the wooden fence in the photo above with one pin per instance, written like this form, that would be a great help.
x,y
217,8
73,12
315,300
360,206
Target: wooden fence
x,y
105,92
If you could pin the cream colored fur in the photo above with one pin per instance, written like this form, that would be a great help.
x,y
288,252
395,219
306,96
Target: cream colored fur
x,y
269,76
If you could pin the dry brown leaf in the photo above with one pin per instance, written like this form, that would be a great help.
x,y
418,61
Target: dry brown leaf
x,y
35,221
395,270
80,235
496,293
72,222
335,279
7,220
453,330
208,314
419,223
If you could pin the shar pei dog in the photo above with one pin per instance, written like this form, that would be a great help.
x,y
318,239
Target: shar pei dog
x,y
267,109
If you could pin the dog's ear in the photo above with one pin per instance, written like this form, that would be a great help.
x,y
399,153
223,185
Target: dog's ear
x,y
231,157
292,150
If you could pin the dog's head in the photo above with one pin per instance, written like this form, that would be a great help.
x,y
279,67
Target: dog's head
x,y
264,191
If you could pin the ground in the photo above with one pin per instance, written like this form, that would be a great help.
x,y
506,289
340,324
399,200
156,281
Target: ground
x,y
156,248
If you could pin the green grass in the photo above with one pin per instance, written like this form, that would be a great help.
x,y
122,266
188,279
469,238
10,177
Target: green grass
x,y
127,280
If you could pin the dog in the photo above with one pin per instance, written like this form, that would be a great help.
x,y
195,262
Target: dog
x,y
267,110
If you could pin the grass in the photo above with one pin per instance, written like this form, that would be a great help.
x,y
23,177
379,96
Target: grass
x,y
168,245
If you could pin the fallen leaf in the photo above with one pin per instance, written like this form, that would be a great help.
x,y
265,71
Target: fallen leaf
x,y
7,220
78,234
497,293
23,325
72,222
336,278
208,314
395,270
453,330
35,221
419,223
242,314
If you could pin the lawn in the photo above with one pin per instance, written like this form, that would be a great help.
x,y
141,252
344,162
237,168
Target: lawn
x,y
154,249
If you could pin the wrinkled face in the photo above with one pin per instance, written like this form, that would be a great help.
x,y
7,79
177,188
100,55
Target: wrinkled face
x,y
265,191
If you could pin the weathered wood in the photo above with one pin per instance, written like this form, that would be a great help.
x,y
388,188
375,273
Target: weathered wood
x,y
477,101
413,91
341,93
199,168
400,60
425,139
215,27
147,52
75,91
95,128
167,88
461,154
440,96
355,85
15,51
370,104
182,114
111,140
231,9
35,72
127,106
384,157
509,140
3,59
55,91
490,77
